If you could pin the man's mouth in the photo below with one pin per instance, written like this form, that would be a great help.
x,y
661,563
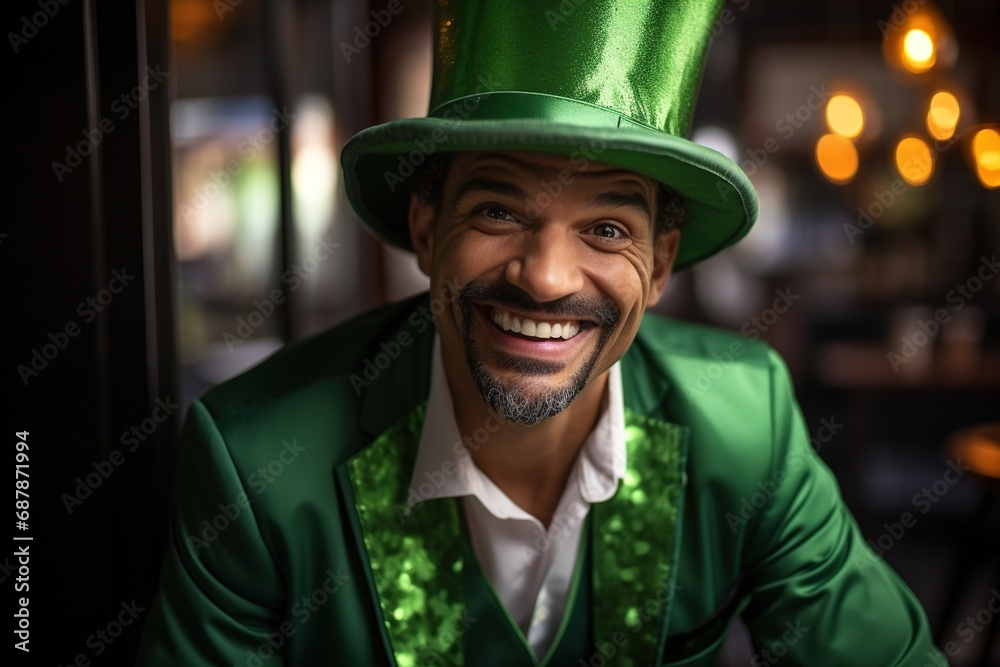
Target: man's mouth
x,y
535,328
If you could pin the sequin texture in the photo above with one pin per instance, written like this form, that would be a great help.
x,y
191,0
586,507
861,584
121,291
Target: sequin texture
x,y
632,574
416,559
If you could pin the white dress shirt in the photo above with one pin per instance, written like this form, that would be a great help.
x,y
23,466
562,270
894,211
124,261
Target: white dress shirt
x,y
529,567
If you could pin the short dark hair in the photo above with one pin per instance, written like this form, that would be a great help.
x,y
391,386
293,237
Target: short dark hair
x,y
428,183
671,213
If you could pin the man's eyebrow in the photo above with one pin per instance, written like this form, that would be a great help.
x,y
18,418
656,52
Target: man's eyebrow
x,y
620,199
502,188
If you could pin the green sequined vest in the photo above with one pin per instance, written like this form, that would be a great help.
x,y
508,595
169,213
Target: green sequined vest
x,y
437,606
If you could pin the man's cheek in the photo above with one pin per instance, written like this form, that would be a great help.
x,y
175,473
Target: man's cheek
x,y
625,332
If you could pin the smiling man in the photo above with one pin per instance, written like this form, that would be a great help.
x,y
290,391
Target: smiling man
x,y
541,306
525,482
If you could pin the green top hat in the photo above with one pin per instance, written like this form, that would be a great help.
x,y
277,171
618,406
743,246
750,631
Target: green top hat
x,y
612,81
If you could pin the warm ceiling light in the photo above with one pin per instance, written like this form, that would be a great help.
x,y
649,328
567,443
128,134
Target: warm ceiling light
x,y
984,456
914,160
942,118
192,20
986,148
844,116
918,50
986,152
918,37
837,158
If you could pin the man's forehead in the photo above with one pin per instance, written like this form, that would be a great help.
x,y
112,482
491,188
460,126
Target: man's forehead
x,y
521,176
529,163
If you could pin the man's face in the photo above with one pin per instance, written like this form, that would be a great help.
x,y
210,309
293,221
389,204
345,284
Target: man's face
x,y
545,268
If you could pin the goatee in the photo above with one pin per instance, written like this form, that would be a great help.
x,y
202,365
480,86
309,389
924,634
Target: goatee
x,y
513,400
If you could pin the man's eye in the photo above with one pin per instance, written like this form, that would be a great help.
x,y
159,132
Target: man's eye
x,y
495,212
608,231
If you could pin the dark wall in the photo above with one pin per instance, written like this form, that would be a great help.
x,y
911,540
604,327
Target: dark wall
x,y
87,332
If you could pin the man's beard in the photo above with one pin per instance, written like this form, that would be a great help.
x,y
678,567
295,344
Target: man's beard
x,y
510,399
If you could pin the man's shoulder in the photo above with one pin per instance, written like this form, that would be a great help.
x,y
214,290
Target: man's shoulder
x,y
679,341
711,371
323,364
733,393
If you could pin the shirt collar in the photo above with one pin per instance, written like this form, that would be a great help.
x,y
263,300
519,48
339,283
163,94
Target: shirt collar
x,y
444,469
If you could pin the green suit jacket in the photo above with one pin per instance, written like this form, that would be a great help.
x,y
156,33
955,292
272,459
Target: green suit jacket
x,y
290,545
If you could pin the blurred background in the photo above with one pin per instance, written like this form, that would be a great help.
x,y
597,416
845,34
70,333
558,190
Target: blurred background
x,y
194,145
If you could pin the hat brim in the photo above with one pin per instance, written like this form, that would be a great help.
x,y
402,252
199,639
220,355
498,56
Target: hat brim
x,y
721,202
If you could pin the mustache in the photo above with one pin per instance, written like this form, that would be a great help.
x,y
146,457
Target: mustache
x,y
505,295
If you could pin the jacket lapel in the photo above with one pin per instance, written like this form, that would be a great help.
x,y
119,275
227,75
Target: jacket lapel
x,y
637,533
636,543
415,557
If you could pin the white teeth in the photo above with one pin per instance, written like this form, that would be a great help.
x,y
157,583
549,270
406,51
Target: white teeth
x,y
528,327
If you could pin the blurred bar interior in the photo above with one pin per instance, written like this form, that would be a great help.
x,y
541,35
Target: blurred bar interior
x,y
870,130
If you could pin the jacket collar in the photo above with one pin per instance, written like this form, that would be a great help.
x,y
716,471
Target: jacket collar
x,y
645,380
398,367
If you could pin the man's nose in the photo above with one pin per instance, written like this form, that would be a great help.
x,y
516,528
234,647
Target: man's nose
x,y
547,264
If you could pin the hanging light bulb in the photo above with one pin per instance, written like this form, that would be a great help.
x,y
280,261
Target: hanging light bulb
x,y
844,116
837,158
919,41
914,160
986,153
942,116
919,54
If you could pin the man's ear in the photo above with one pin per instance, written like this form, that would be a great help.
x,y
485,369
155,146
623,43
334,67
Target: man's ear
x,y
664,253
421,221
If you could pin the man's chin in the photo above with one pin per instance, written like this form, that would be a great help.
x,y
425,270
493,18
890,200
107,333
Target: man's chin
x,y
526,401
